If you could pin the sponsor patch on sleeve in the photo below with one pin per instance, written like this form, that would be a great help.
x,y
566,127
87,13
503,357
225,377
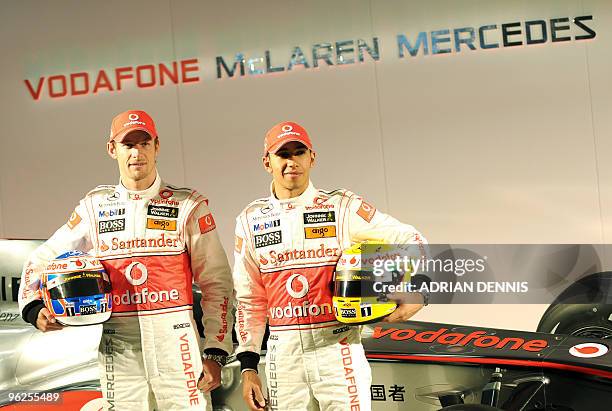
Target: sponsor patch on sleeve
x,y
366,211
238,244
74,220
207,223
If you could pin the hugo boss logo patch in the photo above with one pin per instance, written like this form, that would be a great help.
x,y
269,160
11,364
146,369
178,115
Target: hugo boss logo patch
x,y
111,226
264,240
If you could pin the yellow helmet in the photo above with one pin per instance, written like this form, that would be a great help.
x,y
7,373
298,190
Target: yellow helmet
x,y
358,297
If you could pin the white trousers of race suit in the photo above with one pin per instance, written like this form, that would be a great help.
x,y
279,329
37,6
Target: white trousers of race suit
x,y
162,375
317,368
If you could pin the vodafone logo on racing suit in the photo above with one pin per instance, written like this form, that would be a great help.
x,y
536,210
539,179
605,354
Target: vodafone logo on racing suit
x,y
302,291
165,194
297,287
136,274
588,350
140,272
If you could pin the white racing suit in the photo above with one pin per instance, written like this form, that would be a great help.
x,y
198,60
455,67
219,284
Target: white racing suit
x,y
153,244
285,255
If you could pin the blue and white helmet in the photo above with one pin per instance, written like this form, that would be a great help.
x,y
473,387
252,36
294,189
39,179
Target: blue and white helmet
x,y
76,289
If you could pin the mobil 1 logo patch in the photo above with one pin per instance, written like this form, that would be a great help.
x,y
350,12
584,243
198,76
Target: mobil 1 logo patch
x,y
114,212
320,217
111,226
161,211
266,225
264,240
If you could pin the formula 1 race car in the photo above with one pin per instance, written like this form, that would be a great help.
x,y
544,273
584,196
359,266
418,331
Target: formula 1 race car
x,y
428,366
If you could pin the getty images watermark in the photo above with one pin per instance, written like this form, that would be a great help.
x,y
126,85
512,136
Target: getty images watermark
x,y
480,273
424,265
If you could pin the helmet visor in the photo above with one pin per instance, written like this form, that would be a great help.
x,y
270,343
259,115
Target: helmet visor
x,y
354,284
81,284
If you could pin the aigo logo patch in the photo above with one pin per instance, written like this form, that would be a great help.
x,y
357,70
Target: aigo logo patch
x,y
159,224
588,350
326,231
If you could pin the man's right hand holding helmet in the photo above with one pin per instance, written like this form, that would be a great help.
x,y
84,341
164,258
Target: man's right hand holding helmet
x,y
46,321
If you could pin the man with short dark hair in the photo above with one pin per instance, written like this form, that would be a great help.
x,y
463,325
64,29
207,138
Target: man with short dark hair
x,y
154,240
283,272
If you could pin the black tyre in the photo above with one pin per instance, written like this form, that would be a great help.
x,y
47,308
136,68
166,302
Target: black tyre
x,y
584,309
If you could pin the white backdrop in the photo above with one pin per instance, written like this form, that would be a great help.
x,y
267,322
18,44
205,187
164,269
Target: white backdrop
x,y
499,145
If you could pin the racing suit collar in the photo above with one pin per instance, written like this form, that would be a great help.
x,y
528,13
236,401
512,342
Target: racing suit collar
x,y
306,197
142,194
